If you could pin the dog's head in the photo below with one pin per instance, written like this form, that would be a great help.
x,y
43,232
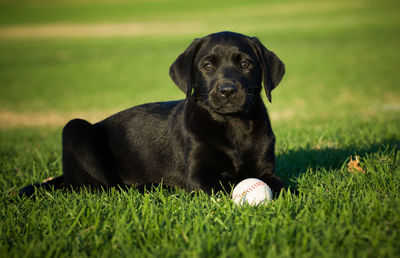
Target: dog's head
x,y
224,71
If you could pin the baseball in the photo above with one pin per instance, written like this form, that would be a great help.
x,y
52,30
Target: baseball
x,y
252,191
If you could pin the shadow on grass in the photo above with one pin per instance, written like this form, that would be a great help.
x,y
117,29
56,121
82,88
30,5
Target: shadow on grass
x,y
291,164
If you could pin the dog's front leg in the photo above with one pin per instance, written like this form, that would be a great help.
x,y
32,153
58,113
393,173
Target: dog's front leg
x,y
274,182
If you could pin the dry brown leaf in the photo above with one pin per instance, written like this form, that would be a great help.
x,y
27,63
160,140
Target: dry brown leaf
x,y
47,179
354,166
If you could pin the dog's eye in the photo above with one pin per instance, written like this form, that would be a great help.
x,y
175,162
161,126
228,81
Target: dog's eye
x,y
207,66
244,65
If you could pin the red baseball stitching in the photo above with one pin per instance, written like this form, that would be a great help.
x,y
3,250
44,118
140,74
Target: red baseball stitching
x,y
248,190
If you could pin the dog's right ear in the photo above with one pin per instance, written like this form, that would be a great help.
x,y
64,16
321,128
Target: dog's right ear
x,y
181,71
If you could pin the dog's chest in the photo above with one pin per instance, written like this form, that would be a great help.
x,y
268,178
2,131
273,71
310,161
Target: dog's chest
x,y
242,148
240,134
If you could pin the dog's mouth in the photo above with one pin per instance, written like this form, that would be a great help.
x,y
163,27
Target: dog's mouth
x,y
227,109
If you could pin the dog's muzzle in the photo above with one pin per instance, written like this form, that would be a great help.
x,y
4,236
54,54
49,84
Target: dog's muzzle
x,y
227,98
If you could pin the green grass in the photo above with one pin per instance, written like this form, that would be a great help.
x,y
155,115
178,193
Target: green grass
x,y
340,98
337,214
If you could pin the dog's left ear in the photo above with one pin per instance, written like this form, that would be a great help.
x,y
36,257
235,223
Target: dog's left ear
x,y
181,71
272,67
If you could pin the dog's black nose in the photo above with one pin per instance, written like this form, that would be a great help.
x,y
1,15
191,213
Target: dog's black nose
x,y
228,90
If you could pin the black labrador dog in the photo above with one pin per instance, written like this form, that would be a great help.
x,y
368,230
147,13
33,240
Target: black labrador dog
x,y
216,137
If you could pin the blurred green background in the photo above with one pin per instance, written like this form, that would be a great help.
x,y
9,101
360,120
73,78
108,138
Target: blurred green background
x,y
59,59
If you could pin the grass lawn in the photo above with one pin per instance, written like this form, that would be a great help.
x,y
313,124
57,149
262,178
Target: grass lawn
x,y
339,98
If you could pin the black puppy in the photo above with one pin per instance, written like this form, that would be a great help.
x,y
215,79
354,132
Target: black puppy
x,y
219,135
